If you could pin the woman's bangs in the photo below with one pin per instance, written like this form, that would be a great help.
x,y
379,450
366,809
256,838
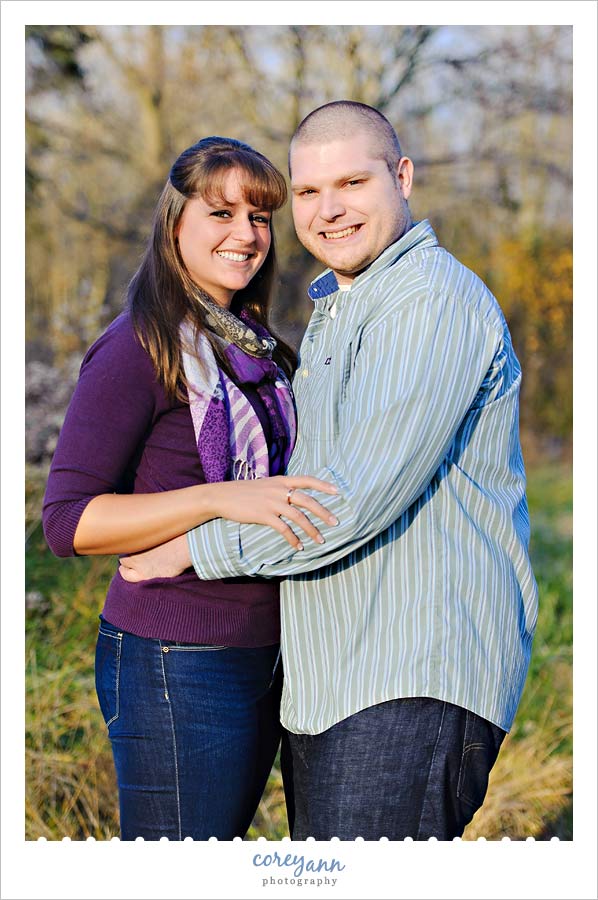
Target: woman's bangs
x,y
263,186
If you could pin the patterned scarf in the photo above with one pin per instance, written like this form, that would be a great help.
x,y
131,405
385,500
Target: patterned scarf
x,y
230,438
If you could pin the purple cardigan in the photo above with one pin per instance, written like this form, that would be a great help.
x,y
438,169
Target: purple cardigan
x,y
121,434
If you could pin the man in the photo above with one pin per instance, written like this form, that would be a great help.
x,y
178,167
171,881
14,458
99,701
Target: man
x,y
407,635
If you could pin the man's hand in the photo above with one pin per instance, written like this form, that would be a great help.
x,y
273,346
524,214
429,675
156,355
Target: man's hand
x,y
164,561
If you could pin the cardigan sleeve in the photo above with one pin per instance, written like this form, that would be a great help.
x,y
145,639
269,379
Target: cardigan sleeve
x,y
109,416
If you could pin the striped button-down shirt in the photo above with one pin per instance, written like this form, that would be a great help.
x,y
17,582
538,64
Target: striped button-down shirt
x,y
407,396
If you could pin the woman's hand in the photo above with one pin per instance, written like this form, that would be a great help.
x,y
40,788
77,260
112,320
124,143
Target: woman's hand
x,y
264,501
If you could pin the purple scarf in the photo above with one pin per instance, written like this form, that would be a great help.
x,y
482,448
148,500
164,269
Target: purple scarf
x,y
230,438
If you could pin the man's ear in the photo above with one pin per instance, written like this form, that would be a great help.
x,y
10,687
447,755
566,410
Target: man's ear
x,y
405,175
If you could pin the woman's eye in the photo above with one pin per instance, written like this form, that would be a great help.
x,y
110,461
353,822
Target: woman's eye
x,y
221,213
260,220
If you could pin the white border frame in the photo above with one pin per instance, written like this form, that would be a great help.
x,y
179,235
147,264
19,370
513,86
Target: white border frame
x,y
463,869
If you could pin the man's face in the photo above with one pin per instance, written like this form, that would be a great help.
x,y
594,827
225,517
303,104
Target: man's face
x,y
347,206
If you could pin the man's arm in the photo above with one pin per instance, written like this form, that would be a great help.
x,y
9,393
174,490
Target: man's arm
x,y
415,377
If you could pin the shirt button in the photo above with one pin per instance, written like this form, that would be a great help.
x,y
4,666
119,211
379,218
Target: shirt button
x,y
305,373
333,312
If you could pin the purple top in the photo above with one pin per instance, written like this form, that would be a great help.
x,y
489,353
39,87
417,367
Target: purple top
x,y
122,434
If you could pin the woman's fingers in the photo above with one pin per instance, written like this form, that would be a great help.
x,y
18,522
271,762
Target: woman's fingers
x,y
291,511
287,533
310,482
295,515
294,499
298,498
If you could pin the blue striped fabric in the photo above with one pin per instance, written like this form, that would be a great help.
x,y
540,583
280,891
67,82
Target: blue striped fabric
x,y
408,397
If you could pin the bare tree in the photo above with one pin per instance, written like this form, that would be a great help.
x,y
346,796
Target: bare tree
x,y
485,113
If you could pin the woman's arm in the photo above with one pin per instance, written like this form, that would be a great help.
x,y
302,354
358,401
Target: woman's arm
x,y
113,409
128,523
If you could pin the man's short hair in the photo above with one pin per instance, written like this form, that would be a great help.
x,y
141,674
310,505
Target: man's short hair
x,y
341,119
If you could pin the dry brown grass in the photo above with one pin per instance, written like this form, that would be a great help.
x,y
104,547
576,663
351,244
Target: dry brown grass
x,y
70,788
530,786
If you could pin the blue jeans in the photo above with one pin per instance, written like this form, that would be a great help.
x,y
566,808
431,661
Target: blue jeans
x,y
414,767
194,732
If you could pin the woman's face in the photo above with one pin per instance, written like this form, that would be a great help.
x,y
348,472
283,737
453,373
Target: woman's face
x,y
224,246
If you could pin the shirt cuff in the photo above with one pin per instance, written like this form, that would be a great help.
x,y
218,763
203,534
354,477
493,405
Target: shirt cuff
x,y
215,549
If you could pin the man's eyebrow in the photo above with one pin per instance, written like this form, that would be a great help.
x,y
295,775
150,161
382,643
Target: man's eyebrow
x,y
351,176
365,173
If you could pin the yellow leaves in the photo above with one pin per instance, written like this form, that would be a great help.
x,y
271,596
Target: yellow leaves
x,y
531,275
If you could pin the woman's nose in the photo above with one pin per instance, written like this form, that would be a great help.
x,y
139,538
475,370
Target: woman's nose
x,y
243,230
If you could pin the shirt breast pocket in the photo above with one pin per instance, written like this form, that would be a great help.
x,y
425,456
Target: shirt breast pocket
x,y
317,396
323,388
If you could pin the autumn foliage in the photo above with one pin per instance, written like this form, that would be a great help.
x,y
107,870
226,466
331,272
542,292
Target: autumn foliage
x,y
532,277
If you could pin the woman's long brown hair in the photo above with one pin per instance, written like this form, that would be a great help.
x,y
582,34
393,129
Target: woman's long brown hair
x,y
161,293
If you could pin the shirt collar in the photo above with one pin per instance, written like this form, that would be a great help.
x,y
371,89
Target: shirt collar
x,y
421,234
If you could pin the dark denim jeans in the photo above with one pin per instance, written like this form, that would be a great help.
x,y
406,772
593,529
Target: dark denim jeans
x,y
414,767
194,732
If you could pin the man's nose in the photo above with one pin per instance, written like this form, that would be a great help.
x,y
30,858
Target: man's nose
x,y
331,206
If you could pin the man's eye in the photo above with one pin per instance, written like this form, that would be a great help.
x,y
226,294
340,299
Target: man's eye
x,y
307,192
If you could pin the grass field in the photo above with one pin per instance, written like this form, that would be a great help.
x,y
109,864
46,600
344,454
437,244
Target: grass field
x,y
71,789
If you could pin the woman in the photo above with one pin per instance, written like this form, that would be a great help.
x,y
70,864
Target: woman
x,y
182,409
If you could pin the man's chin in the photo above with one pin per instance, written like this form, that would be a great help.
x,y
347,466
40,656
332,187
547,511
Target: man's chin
x,y
348,268
348,271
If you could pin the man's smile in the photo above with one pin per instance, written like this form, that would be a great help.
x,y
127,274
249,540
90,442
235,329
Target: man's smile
x,y
341,233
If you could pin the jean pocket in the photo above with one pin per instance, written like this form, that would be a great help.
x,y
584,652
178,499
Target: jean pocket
x,y
191,648
481,744
107,670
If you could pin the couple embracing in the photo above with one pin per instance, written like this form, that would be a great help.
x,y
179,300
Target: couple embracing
x,y
339,563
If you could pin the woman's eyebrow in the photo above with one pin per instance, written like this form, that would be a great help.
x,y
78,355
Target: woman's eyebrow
x,y
216,202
